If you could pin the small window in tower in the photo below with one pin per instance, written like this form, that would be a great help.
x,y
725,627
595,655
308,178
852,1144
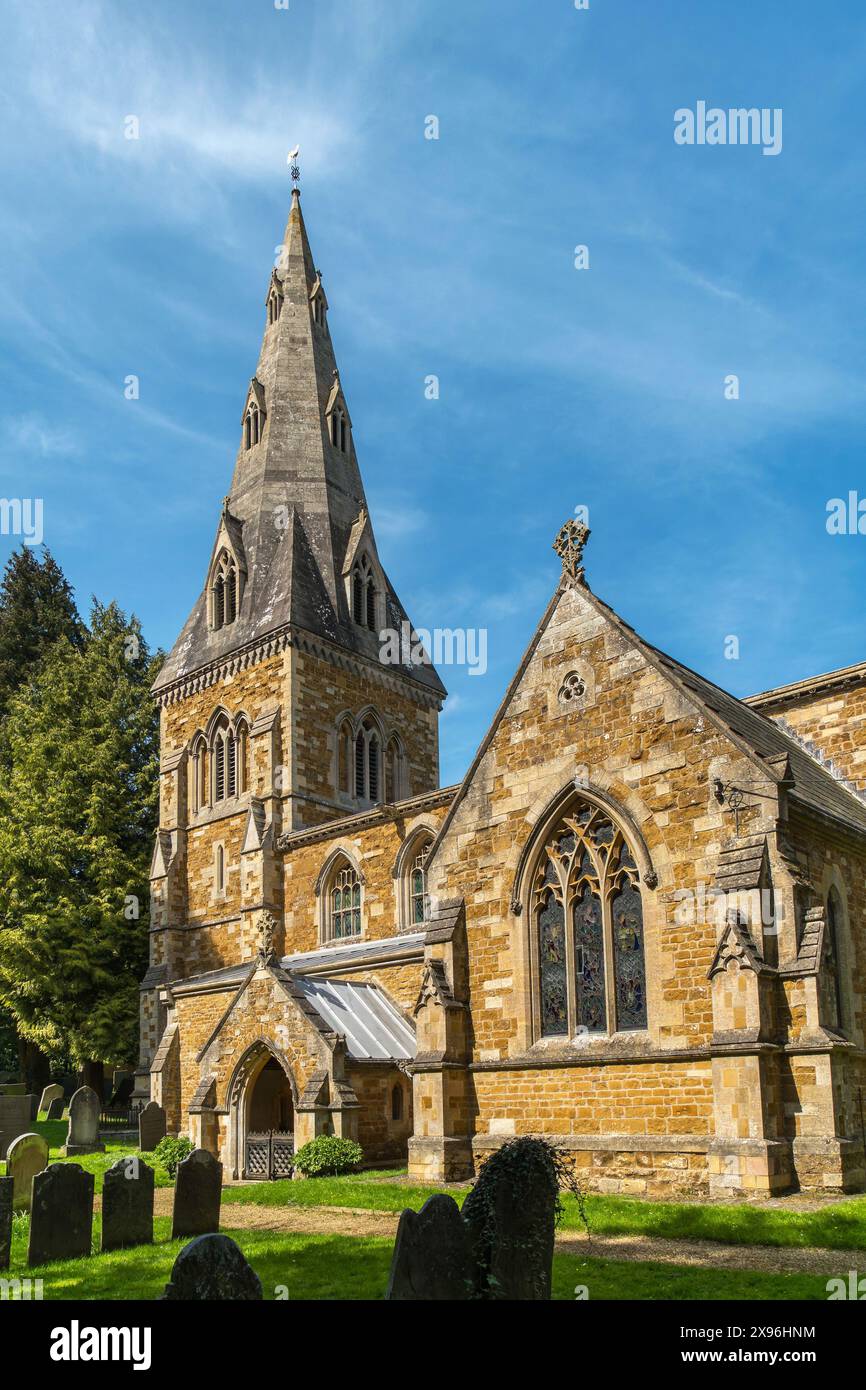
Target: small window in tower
x,y
220,769
371,605
219,602
357,597
231,591
360,765
220,869
373,752
231,767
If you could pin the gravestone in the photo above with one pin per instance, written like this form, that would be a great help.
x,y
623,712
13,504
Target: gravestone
x,y
151,1126
511,1218
432,1254
34,1107
83,1133
61,1220
52,1092
27,1156
6,1186
55,1109
212,1267
13,1088
197,1194
127,1205
14,1120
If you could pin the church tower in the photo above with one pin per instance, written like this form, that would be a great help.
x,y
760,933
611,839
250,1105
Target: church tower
x,y
281,705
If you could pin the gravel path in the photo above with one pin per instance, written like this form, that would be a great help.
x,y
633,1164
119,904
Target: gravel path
x,y
347,1221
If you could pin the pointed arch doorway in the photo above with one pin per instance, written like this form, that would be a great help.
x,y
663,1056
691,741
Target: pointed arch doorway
x,y
263,1114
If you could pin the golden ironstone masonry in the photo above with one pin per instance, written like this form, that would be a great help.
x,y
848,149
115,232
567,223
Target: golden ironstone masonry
x,y
340,946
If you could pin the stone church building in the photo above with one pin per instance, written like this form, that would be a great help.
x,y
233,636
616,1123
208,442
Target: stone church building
x,y
637,926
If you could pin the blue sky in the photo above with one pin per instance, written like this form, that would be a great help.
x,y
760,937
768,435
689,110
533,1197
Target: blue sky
x,y
455,257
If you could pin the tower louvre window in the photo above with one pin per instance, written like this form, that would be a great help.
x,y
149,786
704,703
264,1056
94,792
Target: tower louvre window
x,y
252,426
231,767
224,602
365,595
339,430
220,770
368,761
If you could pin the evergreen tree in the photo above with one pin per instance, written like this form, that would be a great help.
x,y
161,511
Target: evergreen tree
x,y
77,818
37,608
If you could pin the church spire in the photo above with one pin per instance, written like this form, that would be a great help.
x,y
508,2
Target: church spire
x,y
296,520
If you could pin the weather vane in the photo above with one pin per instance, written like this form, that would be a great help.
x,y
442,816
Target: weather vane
x,y
294,167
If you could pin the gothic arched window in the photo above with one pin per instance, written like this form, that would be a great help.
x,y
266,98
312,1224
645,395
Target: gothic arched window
x,y
252,425
224,592
339,430
364,594
418,904
396,1103
344,903
368,757
588,924
199,774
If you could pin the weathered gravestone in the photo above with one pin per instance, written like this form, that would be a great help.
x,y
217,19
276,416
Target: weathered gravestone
x,y
61,1221
197,1195
27,1156
52,1092
127,1205
14,1120
83,1134
511,1218
212,1267
6,1186
432,1254
505,1248
151,1127
55,1109
13,1088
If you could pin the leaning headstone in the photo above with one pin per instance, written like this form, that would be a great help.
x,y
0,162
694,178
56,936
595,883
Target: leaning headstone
x,y
127,1205
511,1217
6,1186
151,1127
432,1254
197,1194
61,1221
14,1120
27,1157
213,1267
52,1092
34,1107
83,1134
55,1109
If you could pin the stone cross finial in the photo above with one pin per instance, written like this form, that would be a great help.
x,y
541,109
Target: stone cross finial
x,y
569,546
267,936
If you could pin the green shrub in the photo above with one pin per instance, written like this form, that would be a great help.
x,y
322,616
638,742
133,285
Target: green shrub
x,y
328,1156
169,1153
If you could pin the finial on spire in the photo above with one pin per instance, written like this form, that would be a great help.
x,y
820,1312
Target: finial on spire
x,y
569,546
294,168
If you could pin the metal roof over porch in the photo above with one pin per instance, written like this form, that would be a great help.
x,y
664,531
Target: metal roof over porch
x,y
373,1026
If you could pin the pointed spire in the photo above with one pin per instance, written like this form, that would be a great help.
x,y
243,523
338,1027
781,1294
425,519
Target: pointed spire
x,y
297,492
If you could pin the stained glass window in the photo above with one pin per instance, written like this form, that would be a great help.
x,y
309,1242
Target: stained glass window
x,y
589,923
552,968
628,957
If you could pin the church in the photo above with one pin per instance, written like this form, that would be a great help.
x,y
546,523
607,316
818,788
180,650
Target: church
x,y
637,927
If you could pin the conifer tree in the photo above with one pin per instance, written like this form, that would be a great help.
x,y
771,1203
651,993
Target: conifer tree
x,y
37,608
77,817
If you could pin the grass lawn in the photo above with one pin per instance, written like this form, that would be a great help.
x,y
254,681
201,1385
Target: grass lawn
x,y
54,1133
351,1267
841,1225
